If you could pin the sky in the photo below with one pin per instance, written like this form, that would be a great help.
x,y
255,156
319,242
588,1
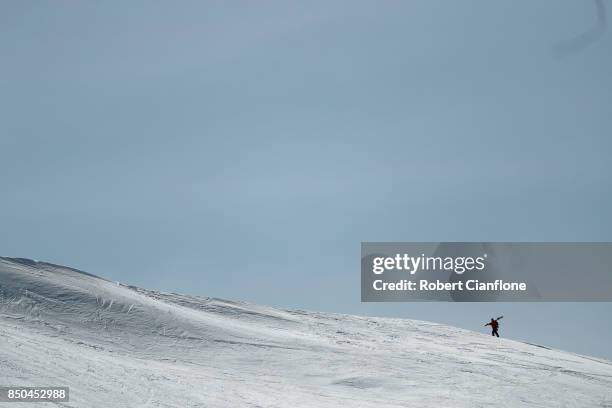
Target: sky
x,y
244,150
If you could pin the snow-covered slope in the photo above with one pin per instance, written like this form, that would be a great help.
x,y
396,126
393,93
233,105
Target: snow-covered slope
x,y
121,346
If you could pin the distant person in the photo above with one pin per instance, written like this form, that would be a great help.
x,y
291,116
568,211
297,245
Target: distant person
x,y
494,325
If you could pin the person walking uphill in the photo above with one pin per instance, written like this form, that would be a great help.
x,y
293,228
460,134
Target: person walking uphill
x,y
494,325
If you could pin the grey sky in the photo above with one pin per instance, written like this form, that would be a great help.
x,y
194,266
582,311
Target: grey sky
x,y
245,149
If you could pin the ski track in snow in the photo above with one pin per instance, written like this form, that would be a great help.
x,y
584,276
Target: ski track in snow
x,y
121,346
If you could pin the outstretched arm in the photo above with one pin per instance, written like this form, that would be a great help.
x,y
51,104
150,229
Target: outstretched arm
x,y
500,317
488,324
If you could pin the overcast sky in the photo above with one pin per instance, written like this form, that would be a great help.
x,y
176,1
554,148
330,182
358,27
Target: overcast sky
x,y
245,149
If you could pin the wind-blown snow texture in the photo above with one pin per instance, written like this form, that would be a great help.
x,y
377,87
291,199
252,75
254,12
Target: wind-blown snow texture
x,y
121,346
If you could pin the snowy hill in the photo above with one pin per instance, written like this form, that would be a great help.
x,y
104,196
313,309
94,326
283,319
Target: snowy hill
x,y
122,346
